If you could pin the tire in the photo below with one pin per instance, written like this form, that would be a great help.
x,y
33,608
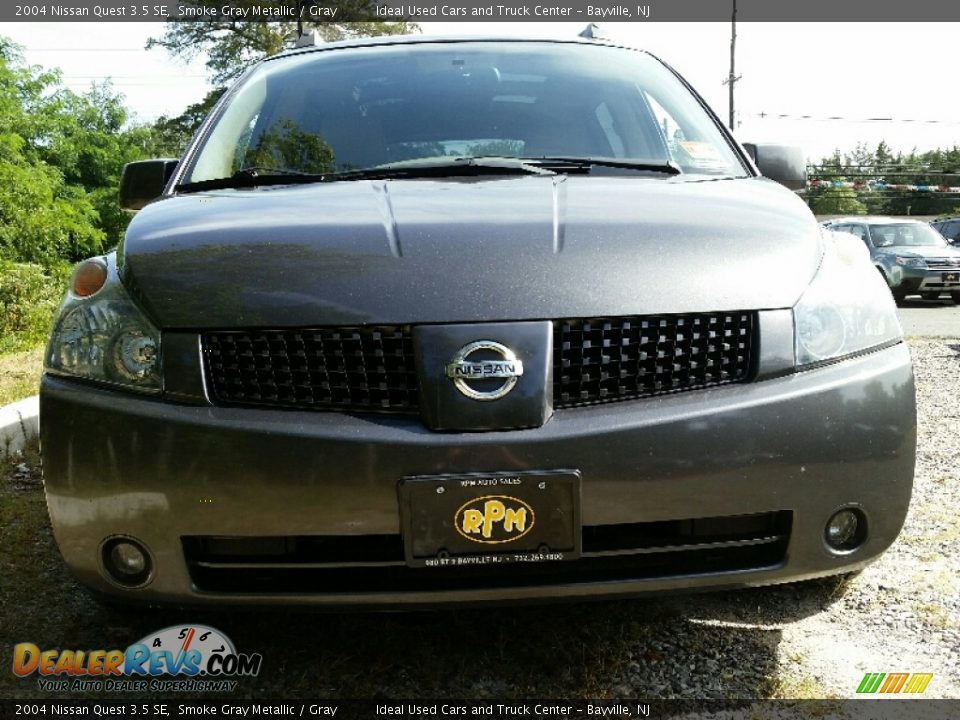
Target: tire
x,y
899,295
956,297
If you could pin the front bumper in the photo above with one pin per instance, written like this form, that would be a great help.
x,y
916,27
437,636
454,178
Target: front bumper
x,y
796,447
915,280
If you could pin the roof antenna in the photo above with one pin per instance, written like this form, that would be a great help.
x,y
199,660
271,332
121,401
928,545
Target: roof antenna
x,y
310,38
593,32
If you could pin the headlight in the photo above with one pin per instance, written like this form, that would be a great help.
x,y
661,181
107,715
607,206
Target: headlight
x,y
100,334
910,261
847,308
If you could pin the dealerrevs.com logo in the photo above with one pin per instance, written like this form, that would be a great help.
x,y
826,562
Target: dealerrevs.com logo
x,y
199,658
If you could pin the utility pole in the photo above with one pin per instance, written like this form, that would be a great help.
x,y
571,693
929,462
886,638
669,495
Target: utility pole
x,y
732,77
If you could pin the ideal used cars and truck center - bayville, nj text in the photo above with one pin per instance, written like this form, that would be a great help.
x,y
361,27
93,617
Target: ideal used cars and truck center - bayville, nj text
x,y
420,321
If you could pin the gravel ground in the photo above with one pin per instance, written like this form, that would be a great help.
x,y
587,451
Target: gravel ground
x,y
901,614
811,640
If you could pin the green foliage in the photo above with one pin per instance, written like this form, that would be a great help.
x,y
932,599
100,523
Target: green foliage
x,y
61,155
41,219
29,295
934,168
837,201
171,135
232,47
287,146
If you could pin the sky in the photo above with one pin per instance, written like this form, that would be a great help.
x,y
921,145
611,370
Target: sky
x,y
905,72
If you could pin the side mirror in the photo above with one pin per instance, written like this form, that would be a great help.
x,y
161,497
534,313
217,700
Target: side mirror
x,y
784,164
143,182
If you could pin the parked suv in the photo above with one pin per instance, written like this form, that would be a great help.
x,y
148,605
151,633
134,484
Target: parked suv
x,y
912,257
949,228
418,321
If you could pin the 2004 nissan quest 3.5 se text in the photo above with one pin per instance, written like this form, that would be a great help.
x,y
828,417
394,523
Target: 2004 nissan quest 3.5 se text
x,y
417,321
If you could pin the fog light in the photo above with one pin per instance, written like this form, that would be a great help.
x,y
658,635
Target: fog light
x,y
846,530
126,561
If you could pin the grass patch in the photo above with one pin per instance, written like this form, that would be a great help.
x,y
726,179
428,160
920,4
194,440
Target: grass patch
x,y
20,374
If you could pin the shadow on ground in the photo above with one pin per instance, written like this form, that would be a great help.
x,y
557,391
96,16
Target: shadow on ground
x,y
721,645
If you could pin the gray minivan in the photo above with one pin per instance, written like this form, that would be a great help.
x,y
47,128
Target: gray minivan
x,y
420,321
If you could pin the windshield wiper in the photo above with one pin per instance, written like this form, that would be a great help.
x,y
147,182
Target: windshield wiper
x,y
436,167
440,167
253,177
564,164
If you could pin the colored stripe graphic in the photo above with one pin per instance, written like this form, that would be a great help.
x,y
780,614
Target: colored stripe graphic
x,y
870,682
894,683
918,682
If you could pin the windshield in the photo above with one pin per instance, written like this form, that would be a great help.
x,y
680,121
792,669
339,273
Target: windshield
x,y
909,234
354,109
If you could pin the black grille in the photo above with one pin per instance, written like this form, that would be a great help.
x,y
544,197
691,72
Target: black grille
x,y
608,359
374,563
596,360
348,368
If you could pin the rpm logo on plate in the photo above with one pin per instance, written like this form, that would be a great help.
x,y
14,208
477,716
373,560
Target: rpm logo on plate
x,y
494,519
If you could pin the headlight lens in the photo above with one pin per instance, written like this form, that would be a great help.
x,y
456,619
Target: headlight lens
x,y
103,335
847,308
911,261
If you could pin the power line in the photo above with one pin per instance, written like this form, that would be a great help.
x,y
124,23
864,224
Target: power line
x,y
64,49
842,118
129,77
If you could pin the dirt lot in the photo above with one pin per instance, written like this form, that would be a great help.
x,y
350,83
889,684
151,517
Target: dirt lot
x,y
901,614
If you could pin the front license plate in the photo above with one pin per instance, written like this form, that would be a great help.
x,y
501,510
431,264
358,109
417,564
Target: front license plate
x,y
951,277
487,518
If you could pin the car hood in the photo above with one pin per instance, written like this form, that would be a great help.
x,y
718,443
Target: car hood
x,y
412,251
932,251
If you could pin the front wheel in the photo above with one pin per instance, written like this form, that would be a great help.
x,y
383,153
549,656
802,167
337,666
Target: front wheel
x,y
956,297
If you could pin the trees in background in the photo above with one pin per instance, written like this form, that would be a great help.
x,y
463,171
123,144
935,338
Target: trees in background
x,y
879,182
837,201
230,47
60,160
61,153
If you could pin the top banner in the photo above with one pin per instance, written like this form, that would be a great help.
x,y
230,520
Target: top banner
x,y
596,11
